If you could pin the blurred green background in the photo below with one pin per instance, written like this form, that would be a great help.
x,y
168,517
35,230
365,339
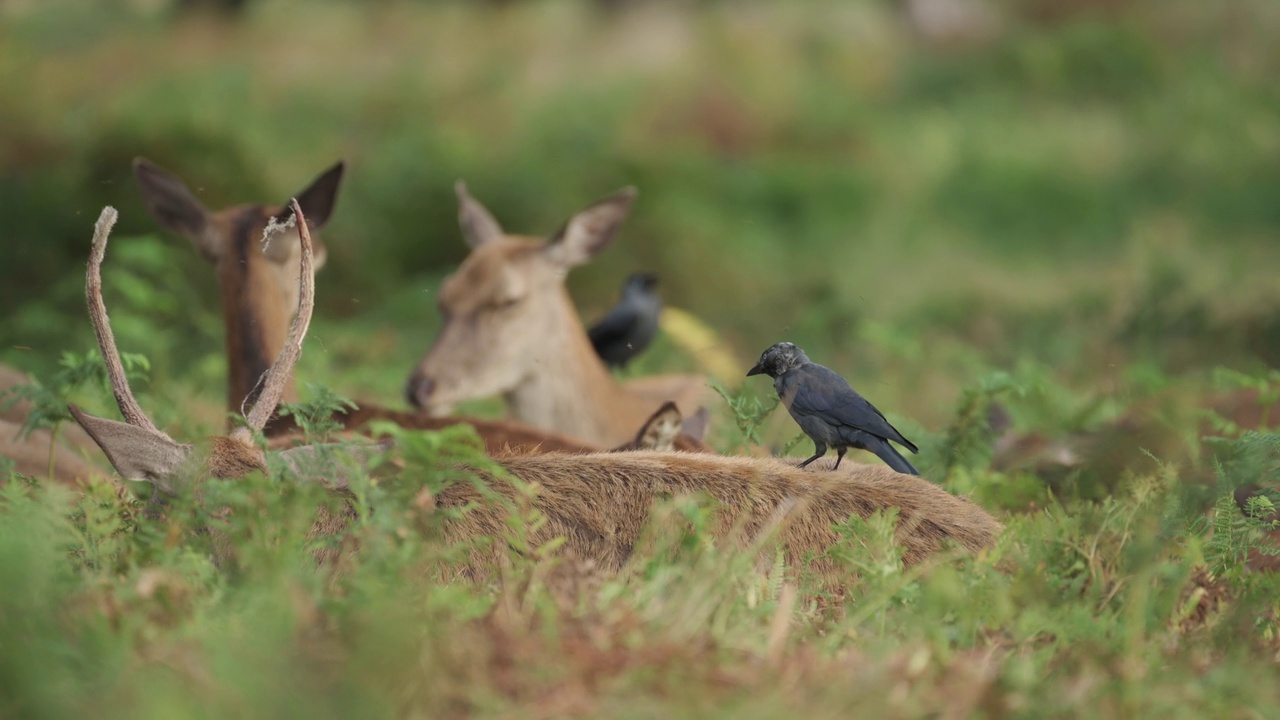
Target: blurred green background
x,y
917,192
1070,205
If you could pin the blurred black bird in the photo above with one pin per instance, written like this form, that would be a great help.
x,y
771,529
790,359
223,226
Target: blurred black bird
x,y
828,410
631,325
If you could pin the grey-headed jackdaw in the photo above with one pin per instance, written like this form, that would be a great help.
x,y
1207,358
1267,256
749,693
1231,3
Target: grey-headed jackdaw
x,y
829,411
631,325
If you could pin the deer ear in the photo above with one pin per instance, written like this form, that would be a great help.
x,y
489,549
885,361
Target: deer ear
x,y
478,225
137,453
318,199
591,230
173,205
695,426
660,430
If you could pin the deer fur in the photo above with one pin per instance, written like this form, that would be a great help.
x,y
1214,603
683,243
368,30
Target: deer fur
x,y
664,430
511,329
601,503
260,292
30,455
30,452
1157,425
598,502
11,377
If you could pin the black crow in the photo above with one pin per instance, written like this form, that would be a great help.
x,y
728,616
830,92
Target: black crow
x,y
630,326
828,410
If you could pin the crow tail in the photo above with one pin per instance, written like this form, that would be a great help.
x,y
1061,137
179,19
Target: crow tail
x,y
891,457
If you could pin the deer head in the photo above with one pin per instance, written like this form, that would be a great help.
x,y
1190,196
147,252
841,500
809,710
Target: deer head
x,y
507,304
667,429
259,281
136,447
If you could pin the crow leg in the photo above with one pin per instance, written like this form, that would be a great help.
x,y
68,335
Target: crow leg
x,y
840,451
819,449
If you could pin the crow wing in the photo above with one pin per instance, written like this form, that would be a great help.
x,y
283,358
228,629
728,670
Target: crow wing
x,y
614,328
819,391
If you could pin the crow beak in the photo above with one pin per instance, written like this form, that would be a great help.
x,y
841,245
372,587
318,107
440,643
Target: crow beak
x,y
755,370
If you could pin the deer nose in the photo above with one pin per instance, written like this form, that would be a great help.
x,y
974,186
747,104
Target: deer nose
x,y
418,390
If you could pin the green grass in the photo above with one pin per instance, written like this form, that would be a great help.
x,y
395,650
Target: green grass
x,y
1102,609
1077,218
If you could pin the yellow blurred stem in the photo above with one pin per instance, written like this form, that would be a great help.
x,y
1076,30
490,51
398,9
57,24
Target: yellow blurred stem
x,y
700,341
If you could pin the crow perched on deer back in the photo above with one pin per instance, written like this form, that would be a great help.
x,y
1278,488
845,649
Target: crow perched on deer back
x,y
829,411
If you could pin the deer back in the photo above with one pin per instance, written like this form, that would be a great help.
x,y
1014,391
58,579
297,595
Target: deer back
x,y
601,503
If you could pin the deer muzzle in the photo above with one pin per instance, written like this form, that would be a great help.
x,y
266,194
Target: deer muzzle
x,y
418,391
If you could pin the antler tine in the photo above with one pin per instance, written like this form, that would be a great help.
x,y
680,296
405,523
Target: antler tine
x,y
278,375
129,407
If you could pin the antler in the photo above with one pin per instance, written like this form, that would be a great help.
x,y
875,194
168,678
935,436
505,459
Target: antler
x,y
278,375
129,407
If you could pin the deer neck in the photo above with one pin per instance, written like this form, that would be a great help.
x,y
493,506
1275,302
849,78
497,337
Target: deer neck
x,y
570,389
256,309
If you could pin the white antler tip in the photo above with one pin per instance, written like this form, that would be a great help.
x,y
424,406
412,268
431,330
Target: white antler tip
x,y
102,228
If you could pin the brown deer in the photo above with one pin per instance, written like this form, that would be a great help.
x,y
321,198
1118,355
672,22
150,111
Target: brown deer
x,y
511,329
1154,430
598,502
506,437
259,289
30,453
257,281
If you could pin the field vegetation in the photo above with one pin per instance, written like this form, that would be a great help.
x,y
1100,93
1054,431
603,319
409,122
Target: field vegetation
x,y
1066,208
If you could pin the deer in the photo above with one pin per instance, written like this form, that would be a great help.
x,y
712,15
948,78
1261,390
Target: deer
x,y
33,453
598,502
257,281
1148,433
511,329
259,290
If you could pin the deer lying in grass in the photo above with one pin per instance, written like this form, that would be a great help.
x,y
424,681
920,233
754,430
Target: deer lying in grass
x,y
511,329
259,289
30,453
665,430
505,437
1156,430
598,502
